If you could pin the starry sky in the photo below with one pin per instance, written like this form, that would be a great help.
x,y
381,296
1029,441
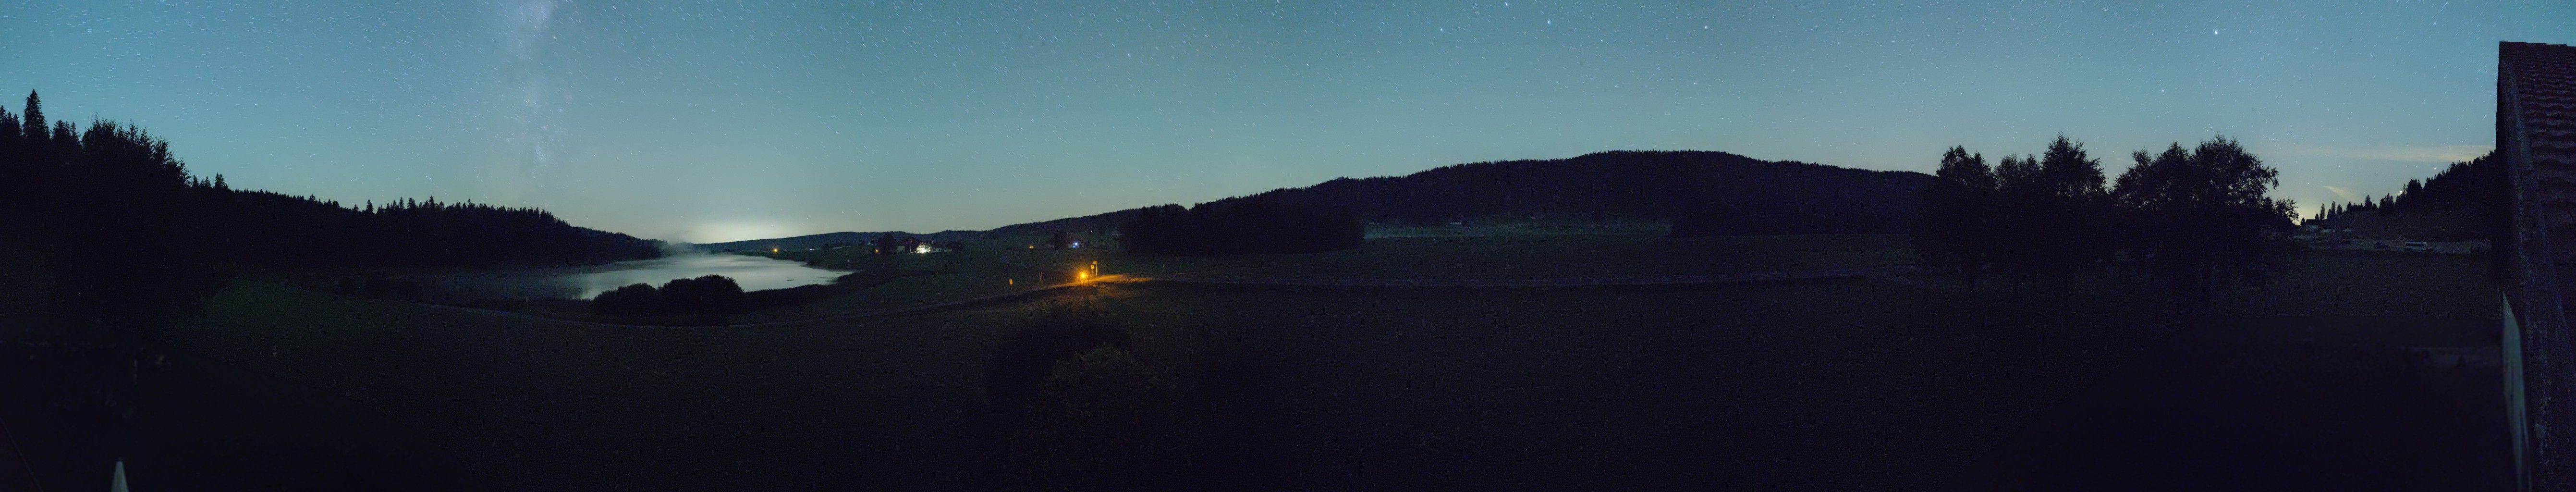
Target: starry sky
x,y
726,120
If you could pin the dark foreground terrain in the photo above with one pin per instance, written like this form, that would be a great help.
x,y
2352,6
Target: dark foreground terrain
x,y
1851,384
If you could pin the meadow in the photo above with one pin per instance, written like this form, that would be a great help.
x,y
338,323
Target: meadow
x,y
1852,384
995,267
1507,250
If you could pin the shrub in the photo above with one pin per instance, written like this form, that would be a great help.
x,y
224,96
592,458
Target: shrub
x,y
708,294
631,300
1098,422
1063,330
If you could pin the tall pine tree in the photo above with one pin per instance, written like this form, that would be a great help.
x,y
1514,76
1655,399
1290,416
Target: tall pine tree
x,y
33,121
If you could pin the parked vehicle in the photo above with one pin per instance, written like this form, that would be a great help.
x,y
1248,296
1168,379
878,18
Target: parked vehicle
x,y
2418,246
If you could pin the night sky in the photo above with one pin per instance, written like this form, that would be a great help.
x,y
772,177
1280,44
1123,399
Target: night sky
x,y
726,120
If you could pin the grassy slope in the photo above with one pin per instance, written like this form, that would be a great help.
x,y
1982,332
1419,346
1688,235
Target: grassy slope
x,y
1868,385
284,385
1859,386
2348,299
980,272
2297,388
1781,386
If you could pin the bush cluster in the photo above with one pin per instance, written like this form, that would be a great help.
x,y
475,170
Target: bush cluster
x,y
711,294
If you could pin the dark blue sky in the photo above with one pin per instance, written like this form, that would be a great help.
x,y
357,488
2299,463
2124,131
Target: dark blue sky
x,y
725,120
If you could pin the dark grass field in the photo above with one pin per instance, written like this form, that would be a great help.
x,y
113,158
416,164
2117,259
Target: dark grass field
x,y
1862,384
1868,385
1843,385
2307,385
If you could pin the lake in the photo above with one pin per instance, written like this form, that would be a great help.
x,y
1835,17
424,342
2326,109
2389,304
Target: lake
x,y
582,282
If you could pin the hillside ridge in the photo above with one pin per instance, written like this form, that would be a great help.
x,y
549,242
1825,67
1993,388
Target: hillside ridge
x,y
1759,196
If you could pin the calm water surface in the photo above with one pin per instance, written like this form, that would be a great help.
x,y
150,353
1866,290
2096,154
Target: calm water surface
x,y
752,272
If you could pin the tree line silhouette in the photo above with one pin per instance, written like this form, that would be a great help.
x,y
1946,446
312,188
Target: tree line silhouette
x,y
1261,225
2469,195
118,217
131,239
109,186
2192,217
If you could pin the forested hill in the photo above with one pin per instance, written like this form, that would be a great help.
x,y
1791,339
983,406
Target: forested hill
x,y
1710,192
271,228
1732,193
114,192
2463,202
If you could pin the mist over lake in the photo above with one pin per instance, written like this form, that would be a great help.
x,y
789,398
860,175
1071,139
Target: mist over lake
x,y
583,282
